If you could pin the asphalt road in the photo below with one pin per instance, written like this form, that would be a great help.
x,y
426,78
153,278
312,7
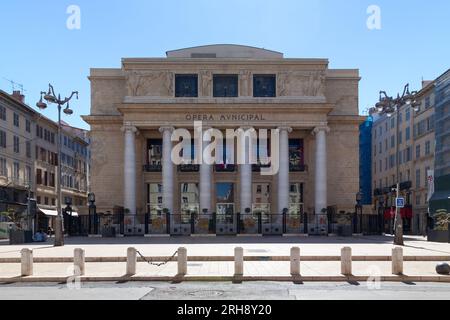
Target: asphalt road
x,y
225,291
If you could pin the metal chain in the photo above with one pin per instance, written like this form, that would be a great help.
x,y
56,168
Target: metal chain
x,y
157,264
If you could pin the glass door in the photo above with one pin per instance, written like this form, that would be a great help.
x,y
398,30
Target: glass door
x,y
157,219
225,216
295,223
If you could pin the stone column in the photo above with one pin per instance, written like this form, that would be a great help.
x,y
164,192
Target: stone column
x,y
130,168
321,178
283,174
245,174
167,168
205,180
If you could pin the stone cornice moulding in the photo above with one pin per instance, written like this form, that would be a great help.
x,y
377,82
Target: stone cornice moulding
x,y
217,108
322,63
237,100
295,125
103,119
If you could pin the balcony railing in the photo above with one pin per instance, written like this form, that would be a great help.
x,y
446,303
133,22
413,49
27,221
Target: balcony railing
x,y
153,168
189,168
298,168
258,167
225,168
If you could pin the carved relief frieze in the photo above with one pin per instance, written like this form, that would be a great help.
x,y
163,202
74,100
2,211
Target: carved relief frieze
x,y
150,83
301,83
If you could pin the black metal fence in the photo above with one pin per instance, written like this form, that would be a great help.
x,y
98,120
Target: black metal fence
x,y
204,224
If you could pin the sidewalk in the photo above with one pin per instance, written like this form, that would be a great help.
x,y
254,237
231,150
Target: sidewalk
x,y
224,246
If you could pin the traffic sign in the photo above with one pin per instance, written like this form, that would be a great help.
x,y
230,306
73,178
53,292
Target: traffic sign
x,y
400,202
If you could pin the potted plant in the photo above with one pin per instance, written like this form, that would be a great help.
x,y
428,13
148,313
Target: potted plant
x,y
440,232
344,222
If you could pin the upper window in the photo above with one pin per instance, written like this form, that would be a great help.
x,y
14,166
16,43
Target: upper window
x,y
186,85
225,86
16,119
2,113
264,86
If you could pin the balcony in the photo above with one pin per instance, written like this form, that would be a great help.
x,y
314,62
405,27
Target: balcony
x,y
258,167
153,168
189,168
225,168
298,168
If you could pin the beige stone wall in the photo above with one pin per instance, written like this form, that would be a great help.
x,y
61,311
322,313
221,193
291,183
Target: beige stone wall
x,y
107,165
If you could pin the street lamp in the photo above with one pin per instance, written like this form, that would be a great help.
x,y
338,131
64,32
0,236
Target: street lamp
x,y
359,196
51,97
390,106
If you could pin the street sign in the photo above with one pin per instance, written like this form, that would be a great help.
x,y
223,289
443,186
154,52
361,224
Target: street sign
x,y
400,202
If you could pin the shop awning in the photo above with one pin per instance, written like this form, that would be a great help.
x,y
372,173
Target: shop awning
x,y
54,213
50,213
404,213
441,196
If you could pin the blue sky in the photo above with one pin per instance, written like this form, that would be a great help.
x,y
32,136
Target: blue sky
x,y
37,48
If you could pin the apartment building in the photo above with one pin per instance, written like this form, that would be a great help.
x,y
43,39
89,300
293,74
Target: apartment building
x,y
415,158
16,145
29,161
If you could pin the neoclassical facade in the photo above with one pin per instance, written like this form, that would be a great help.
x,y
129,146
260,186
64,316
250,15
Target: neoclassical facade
x,y
136,108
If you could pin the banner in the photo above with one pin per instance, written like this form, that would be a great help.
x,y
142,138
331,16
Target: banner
x,y
430,178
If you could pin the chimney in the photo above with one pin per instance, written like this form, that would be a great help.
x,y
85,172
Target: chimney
x,y
18,96
426,82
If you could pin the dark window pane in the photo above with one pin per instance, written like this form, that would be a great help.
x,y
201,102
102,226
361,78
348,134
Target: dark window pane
x,y
296,155
186,85
264,86
225,86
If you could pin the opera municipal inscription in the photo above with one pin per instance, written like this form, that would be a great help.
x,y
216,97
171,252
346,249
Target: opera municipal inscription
x,y
225,117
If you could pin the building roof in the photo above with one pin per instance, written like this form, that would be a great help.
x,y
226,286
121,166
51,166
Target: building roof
x,y
225,51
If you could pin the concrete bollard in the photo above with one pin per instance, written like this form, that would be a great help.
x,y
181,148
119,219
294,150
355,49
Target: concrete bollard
x,y
131,261
295,261
79,261
26,262
397,261
346,261
239,261
182,261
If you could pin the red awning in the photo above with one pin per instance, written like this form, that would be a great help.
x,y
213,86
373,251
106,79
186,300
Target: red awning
x,y
405,213
389,213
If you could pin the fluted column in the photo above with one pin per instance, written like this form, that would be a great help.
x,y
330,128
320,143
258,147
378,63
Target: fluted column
x,y
205,177
130,168
245,174
167,169
283,173
321,176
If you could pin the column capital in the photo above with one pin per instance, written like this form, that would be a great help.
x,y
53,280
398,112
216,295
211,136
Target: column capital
x,y
166,128
246,128
128,127
285,128
321,128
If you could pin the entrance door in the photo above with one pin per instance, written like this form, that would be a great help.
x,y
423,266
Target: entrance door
x,y
295,220
225,213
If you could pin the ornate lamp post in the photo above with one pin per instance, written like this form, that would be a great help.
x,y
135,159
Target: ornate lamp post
x,y
390,106
51,97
